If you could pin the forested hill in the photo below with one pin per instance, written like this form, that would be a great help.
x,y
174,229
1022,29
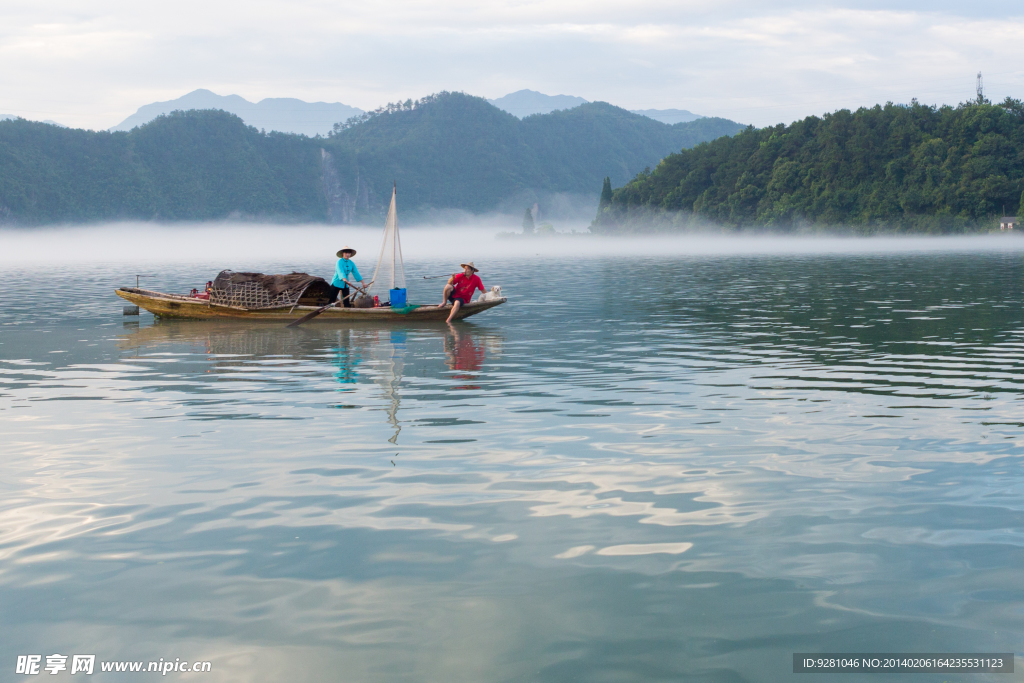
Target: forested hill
x,y
885,169
453,150
192,165
448,151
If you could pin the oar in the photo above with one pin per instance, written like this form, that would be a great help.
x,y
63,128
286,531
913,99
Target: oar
x,y
435,277
312,314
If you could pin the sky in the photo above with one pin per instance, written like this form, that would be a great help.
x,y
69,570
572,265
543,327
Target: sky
x,y
92,64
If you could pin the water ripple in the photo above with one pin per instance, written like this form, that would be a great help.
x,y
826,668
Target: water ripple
x,y
738,456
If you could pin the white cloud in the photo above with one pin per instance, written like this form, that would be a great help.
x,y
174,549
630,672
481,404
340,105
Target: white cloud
x,y
751,62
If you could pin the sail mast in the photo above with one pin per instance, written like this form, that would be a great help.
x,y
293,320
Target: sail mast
x,y
394,206
390,271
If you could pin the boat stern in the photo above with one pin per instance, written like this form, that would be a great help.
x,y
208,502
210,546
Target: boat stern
x,y
165,305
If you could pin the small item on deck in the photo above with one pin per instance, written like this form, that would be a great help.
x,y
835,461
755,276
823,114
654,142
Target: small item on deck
x,y
131,310
376,301
492,295
398,297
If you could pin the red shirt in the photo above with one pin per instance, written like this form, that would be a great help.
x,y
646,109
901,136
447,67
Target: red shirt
x,y
465,286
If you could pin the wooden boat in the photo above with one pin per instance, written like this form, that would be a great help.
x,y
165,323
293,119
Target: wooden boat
x,y
285,298
179,306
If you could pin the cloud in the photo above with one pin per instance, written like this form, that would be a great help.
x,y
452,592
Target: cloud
x,y
92,66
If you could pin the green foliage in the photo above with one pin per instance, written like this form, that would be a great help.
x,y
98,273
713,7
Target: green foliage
x,y
893,168
389,108
48,174
193,165
606,194
447,150
452,150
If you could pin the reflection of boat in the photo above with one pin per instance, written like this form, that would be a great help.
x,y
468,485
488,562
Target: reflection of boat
x,y
284,298
223,337
359,354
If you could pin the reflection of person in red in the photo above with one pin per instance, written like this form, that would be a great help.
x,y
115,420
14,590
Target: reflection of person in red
x,y
460,288
464,355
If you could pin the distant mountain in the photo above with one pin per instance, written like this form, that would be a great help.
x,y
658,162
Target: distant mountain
x,y
524,103
283,114
668,116
9,117
456,151
446,151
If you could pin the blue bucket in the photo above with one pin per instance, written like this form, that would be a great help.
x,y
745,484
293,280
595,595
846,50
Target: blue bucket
x,y
398,298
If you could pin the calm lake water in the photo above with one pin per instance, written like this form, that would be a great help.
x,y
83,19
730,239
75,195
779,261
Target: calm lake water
x,y
639,469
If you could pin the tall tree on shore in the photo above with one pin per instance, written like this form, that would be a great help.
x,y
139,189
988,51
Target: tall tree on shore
x,y
606,194
528,224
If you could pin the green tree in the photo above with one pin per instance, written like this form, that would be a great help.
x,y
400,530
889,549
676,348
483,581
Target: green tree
x,y
528,225
606,194
194,165
891,168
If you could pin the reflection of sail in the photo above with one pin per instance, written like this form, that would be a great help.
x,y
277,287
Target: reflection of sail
x,y
392,363
384,353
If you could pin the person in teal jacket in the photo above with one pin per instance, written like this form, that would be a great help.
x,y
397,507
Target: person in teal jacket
x,y
345,273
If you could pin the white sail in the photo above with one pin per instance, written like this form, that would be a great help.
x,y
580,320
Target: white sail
x,y
390,271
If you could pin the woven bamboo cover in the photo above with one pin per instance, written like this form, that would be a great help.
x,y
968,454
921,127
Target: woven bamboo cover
x,y
254,291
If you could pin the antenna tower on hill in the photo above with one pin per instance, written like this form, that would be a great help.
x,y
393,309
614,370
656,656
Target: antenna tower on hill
x,y
980,88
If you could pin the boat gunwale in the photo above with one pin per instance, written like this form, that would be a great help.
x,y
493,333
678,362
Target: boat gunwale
x,y
167,296
205,310
162,295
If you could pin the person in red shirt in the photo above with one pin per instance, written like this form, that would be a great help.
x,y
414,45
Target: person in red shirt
x,y
460,288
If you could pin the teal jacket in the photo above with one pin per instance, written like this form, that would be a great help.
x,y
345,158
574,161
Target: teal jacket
x,y
346,270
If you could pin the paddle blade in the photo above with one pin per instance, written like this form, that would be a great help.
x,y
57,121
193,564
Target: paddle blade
x,y
306,318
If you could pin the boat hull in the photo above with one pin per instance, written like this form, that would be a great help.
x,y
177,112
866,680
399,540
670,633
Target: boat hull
x,y
184,307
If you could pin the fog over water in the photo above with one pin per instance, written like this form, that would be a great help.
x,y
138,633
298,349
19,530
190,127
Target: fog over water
x,y
233,245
